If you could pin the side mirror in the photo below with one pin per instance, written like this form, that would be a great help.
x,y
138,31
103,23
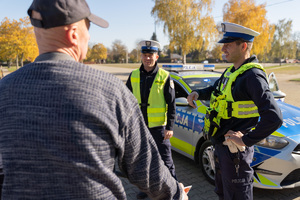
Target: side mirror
x,y
273,84
181,101
279,95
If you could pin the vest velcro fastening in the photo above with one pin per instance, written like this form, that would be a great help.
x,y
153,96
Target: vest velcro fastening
x,y
241,109
229,108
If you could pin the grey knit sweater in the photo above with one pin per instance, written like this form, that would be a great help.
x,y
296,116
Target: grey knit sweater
x,y
63,124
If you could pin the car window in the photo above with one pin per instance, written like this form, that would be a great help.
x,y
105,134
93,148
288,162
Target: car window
x,y
200,83
179,91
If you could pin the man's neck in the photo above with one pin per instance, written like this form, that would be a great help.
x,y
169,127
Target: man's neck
x,y
62,50
239,62
149,69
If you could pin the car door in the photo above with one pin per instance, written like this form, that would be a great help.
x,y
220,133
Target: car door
x,y
183,139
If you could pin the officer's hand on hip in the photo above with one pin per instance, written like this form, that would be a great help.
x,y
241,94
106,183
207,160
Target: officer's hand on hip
x,y
192,97
168,134
235,136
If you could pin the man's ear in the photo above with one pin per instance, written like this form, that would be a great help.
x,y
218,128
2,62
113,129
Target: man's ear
x,y
72,34
157,56
244,46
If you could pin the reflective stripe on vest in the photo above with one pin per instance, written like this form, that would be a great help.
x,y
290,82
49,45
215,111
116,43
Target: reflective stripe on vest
x,y
225,105
157,107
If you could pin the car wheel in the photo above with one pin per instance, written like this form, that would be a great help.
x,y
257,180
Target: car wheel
x,y
206,161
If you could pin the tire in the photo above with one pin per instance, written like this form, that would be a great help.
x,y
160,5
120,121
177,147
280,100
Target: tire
x,y
206,161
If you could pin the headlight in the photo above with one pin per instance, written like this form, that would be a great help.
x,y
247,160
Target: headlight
x,y
273,142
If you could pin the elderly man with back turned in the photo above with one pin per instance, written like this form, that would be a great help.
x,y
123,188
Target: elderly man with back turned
x,y
63,124
237,100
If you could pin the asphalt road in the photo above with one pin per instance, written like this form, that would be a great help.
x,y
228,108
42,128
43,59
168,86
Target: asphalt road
x,y
190,174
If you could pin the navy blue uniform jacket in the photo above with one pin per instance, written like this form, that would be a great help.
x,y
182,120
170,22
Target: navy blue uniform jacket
x,y
251,85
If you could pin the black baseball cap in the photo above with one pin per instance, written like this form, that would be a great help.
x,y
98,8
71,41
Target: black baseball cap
x,y
62,12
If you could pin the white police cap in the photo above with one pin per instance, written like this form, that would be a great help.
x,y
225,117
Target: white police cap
x,y
149,46
233,32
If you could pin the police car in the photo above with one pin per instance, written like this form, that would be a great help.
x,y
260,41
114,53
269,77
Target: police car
x,y
276,160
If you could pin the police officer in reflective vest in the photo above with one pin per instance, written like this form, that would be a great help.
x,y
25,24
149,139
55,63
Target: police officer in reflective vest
x,y
154,90
232,122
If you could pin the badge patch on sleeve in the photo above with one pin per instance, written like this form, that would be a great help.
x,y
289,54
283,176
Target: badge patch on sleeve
x,y
172,84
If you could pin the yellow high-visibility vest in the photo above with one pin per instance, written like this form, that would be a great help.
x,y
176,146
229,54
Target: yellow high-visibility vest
x,y
223,105
157,107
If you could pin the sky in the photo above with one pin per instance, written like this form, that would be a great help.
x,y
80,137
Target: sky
x,y
131,21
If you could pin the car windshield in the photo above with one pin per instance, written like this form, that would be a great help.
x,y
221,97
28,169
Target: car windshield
x,y
197,83
200,83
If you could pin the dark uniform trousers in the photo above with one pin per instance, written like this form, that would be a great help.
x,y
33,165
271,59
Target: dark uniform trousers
x,y
164,148
231,185
1,183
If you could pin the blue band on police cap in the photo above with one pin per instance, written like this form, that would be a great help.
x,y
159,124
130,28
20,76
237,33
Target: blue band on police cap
x,y
240,35
150,49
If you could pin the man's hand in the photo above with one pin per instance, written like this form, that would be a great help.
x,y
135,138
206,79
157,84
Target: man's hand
x,y
235,136
168,134
192,97
185,196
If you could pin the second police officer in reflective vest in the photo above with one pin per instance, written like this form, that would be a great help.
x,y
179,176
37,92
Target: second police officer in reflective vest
x,y
237,100
154,90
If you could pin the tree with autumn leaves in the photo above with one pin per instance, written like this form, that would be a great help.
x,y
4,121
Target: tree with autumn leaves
x,y
18,44
188,23
97,53
17,41
284,46
246,13
191,28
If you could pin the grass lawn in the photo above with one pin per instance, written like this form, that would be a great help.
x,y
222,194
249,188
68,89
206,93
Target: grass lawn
x,y
11,69
284,69
276,68
123,65
136,65
296,80
269,67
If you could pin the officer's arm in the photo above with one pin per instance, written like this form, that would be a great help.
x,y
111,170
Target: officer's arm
x,y
270,114
128,83
169,93
203,94
140,160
